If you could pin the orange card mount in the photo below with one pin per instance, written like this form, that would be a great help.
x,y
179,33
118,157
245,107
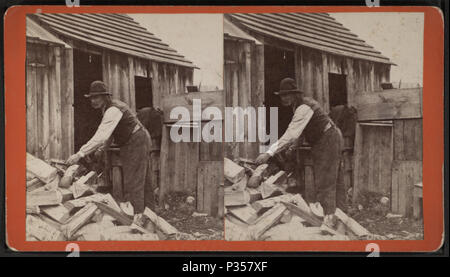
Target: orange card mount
x,y
16,127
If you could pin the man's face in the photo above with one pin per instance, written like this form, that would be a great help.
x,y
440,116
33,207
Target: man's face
x,y
97,101
287,99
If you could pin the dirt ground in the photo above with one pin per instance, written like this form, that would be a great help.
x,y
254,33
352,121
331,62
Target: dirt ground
x,y
373,215
182,215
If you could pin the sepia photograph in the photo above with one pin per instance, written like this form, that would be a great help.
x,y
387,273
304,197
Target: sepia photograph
x,y
339,156
100,162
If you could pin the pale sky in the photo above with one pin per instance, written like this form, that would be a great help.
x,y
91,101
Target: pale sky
x,y
198,37
399,36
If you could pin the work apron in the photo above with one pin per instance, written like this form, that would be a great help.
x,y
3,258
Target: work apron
x,y
136,170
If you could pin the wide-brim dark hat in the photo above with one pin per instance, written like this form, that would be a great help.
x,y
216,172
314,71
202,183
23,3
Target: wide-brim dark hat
x,y
287,85
97,88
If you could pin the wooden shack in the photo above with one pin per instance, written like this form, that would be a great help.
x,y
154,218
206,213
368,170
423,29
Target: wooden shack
x,y
329,62
66,52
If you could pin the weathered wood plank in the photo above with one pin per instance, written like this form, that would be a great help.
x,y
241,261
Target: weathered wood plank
x,y
392,104
208,99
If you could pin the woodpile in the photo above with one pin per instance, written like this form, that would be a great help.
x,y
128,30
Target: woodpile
x,y
63,204
257,207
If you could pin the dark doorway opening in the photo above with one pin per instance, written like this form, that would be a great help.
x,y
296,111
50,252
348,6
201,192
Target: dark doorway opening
x,y
87,68
143,92
278,64
337,89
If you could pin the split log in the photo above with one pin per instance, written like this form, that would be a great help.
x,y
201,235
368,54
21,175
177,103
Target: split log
x,y
246,213
88,179
78,190
40,169
351,224
79,219
44,198
53,184
33,210
67,194
262,206
270,190
98,197
69,175
287,217
117,215
258,176
303,213
34,184
232,171
267,220
241,185
236,198
235,232
277,179
255,194
163,225
58,213
41,230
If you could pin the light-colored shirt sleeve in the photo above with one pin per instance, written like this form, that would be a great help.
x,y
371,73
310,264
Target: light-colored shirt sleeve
x,y
110,119
298,123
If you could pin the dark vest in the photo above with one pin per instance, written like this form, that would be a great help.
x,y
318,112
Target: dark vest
x,y
126,125
316,125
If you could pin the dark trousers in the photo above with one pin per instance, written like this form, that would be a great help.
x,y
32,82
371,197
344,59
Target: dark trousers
x,y
328,181
136,170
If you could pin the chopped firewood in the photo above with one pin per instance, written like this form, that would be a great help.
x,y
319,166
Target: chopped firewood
x,y
88,179
66,194
287,217
255,194
236,232
246,213
267,220
44,198
316,209
127,233
40,169
241,185
117,215
270,190
41,230
83,201
127,208
30,176
67,179
263,205
236,198
160,223
58,213
54,184
232,171
351,224
300,202
254,181
98,216
291,230
78,220
34,184
277,179
33,210
303,213
258,176
78,190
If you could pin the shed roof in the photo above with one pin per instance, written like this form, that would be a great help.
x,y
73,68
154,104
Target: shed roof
x,y
36,32
118,32
230,30
315,30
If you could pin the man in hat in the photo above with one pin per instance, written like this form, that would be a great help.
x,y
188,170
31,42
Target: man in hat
x,y
120,123
326,142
